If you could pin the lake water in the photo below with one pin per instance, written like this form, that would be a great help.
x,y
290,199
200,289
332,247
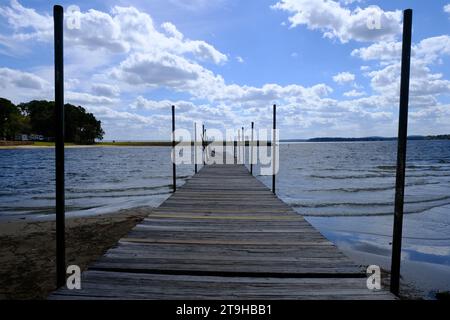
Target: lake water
x,y
346,190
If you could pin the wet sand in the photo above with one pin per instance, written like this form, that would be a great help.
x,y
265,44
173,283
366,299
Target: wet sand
x,y
27,249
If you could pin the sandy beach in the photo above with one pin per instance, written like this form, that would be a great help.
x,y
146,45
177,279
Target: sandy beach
x,y
27,251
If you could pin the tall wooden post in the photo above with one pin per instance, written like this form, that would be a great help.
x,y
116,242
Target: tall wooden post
x,y
205,146
234,150
273,146
58,19
195,147
251,152
401,153
239,146
174,167
243,146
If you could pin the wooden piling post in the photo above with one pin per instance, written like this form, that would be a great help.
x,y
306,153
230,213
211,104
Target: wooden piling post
x,y
58,19
174,167
234,149
243,146
401,153
195,147
273,146
203,144
239,146
251,151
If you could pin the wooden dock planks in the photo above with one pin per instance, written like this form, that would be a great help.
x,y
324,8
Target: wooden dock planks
x,y
223,235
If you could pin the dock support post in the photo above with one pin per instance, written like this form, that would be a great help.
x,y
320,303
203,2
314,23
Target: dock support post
x,y
203,144
239,147
58,19
243,146
273,146
234,149
251,151
174,168
195,147
401,153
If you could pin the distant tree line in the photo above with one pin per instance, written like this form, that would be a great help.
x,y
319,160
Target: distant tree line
x,y
368,139
38,117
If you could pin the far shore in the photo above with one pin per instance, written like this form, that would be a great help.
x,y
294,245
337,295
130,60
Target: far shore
x,y
39,144
45,144
27,253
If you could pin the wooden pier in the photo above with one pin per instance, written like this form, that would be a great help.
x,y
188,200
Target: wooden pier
x,y
223,235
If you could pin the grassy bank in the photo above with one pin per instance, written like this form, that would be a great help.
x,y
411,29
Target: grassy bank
x,y
136,144
45,144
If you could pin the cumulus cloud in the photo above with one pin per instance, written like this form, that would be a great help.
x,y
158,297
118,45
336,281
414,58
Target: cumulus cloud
x,y
425,85
148,56
20,18
103,89
172,31
82,98
120,31
447,8
337,21
344,77
353,93
142,103
429,49
111,114
20,79
160,69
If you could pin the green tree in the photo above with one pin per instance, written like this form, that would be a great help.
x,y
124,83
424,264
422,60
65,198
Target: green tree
x,y
41,115
80,125
12,121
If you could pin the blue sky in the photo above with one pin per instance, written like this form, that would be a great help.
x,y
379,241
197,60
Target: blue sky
x,y
225,62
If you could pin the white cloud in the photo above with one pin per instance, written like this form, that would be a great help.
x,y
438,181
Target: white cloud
x,y
425,85
119,118
380,51
447,8
82,98
353,93
119,55
349,1
429,49
337,21
20,86
172,31
20,18
20,79
344,77
107,90
240,59
120,31
161,69
151,105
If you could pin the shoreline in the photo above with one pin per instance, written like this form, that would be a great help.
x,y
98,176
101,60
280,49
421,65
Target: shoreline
x,y
78,146
27,254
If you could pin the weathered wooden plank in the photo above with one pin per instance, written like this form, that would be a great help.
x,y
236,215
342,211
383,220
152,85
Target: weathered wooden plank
x,y
223,235
118,285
